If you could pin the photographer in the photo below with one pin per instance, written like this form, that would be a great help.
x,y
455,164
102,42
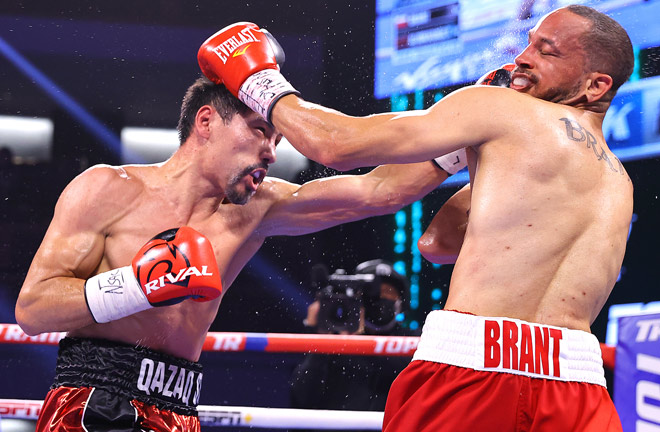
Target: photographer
x,y
367,302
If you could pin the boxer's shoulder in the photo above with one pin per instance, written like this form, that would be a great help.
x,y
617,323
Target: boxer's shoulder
x,y
487,105
102,176
102,188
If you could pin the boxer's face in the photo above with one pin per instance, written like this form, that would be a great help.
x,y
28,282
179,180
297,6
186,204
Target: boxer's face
x,y
553,66
248,145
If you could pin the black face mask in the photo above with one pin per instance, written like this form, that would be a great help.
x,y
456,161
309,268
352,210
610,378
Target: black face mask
x,y
380,315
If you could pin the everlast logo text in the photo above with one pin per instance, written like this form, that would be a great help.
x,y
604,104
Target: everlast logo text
x,y
169,381
226,48
173,278
524,347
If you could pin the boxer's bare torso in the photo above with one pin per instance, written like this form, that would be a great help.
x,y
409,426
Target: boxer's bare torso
x,y
179,329
548,222
107,214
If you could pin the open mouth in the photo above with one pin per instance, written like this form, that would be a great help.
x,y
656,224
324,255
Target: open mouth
x,y
520,81
257,176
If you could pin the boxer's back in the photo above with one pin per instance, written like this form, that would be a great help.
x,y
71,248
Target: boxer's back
x,y
550,213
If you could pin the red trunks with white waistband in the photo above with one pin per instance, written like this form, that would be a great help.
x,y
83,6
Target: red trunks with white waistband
x,y
473,373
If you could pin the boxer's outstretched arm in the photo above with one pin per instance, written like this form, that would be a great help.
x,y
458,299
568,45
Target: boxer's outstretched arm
x,y
443,239
251,73
323,203
467,117
52,296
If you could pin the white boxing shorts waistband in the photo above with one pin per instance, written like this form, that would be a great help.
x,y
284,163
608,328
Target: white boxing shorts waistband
x,y
510,345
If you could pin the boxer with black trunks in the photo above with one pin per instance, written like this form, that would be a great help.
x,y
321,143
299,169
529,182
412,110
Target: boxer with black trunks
x,y
549,211
137,316
160,390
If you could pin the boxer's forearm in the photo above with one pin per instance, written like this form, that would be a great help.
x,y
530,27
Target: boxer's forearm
x,y
344,142
55,304
331,201
330,137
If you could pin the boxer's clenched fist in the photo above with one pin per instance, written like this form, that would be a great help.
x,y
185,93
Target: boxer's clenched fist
x,y
175,265
246,59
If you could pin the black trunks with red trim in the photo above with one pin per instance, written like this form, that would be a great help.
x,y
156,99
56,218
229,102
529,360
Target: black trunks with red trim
x,y
167,382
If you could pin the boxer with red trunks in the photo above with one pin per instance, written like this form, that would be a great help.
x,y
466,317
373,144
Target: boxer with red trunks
x,y
501,374
134,306
549,206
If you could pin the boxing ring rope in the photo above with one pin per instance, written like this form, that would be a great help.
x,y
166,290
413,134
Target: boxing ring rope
x,y
281,342
274,418
262,342
271,418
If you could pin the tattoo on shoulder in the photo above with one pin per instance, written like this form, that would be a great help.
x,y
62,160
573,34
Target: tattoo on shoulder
x,y
576,132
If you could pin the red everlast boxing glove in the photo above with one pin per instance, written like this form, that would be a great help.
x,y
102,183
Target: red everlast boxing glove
x,y
175,265
457,160
246,59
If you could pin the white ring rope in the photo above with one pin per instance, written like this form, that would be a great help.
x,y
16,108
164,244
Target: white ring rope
x,y
223,416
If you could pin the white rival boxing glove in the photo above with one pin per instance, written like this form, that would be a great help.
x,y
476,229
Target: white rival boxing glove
x,y
175,265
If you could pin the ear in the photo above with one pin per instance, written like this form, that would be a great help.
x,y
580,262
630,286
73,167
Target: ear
x,y
598,84
203,121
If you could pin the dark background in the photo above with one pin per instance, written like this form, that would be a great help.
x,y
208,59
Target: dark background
x,y
128,63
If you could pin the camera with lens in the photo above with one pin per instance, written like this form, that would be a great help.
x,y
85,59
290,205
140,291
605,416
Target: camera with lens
x,y
341,301
345,298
